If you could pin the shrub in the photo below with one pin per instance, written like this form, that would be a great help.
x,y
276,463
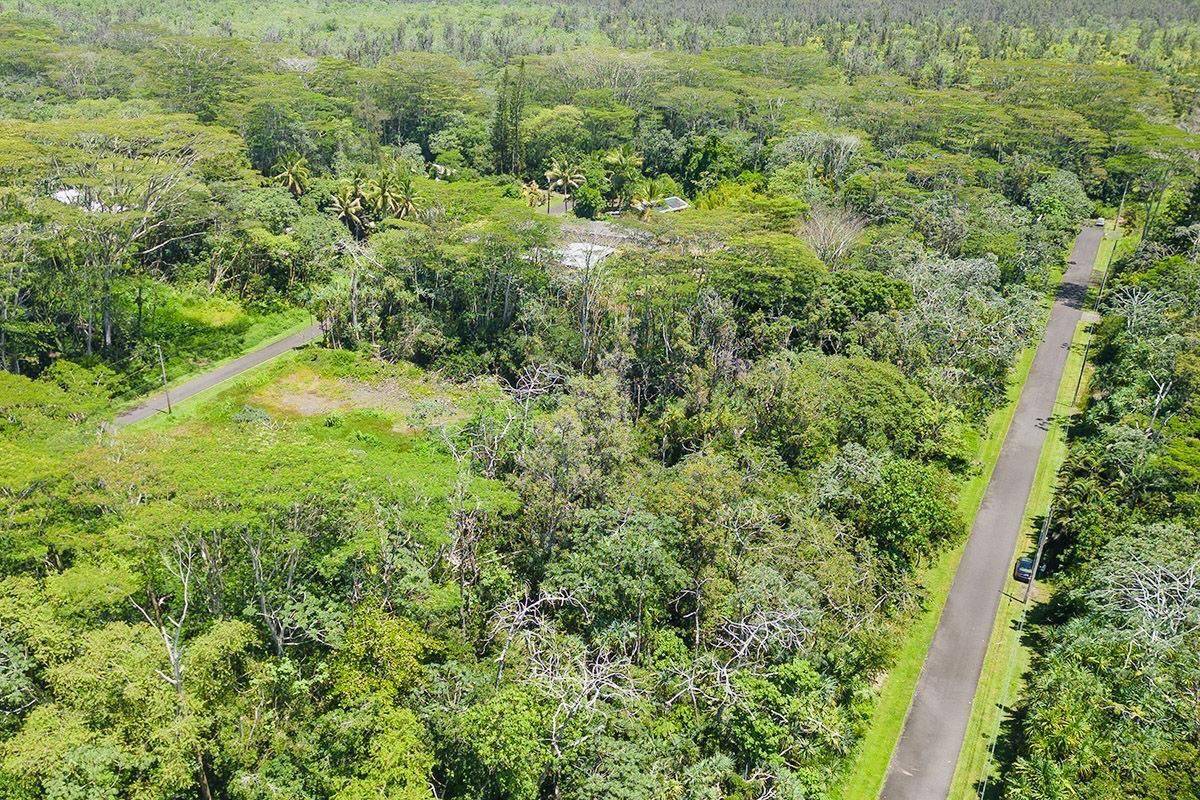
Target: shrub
x,y
587,202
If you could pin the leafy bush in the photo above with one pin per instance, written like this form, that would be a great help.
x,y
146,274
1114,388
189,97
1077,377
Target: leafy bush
x,y
587,202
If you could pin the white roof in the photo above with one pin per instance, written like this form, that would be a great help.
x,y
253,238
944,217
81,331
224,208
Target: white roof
x,y
674,203
71,196
75,197
581,255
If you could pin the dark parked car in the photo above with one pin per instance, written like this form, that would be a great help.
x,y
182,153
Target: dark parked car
x,y
1024,569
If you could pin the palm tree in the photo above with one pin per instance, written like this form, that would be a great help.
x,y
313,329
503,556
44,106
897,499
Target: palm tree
x,y
362,185
565,176
346,205
384,197
407,200
624,168
649,195
622,159
292,171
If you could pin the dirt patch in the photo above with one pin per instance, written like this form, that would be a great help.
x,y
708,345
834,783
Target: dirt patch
x,y
414,404
307,403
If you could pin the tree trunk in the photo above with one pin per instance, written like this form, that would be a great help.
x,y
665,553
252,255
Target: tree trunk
x,y
4,340
205,792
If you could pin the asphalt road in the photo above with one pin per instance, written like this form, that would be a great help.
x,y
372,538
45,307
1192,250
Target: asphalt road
x,y
158,402
923,763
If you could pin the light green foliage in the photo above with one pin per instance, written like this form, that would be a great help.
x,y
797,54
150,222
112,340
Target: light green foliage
x,y
399,762
554,133
419,94
118,727
380,658
807,406
496,747
1059,199
790,704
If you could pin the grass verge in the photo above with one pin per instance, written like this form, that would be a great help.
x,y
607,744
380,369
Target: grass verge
x,y
188,408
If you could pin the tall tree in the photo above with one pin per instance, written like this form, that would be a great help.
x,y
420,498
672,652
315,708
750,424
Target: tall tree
x,y
507,145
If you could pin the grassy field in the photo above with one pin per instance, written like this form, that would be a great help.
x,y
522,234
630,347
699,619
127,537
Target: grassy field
x,y
326,420
314,385
218,329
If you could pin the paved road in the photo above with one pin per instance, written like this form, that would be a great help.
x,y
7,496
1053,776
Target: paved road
x,y
923,763
156,403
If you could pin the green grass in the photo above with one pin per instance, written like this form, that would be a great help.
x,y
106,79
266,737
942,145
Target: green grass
x,y
198,333
217,330
259,333
865,777
1107,246
359,417
378,447
235,390
320,386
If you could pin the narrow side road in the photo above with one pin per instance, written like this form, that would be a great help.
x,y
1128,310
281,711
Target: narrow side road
x,y
922,766
158,402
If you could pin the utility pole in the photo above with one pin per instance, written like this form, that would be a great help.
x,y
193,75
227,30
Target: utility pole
x,y
1113,252
1037,557
162,366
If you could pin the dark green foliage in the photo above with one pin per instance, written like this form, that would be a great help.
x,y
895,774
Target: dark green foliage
x,y
587,202
858,293
772,273
506,122
906,511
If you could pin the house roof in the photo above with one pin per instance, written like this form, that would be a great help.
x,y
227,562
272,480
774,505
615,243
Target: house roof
x,y
76,197
674,203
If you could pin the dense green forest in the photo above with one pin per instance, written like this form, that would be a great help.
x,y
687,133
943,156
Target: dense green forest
x,y
521,526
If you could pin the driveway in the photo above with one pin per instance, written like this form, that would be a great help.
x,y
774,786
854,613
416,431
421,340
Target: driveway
x,y
158,402
923,763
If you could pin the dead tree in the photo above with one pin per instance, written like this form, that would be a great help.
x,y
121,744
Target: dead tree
x,y
832,232
180,563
